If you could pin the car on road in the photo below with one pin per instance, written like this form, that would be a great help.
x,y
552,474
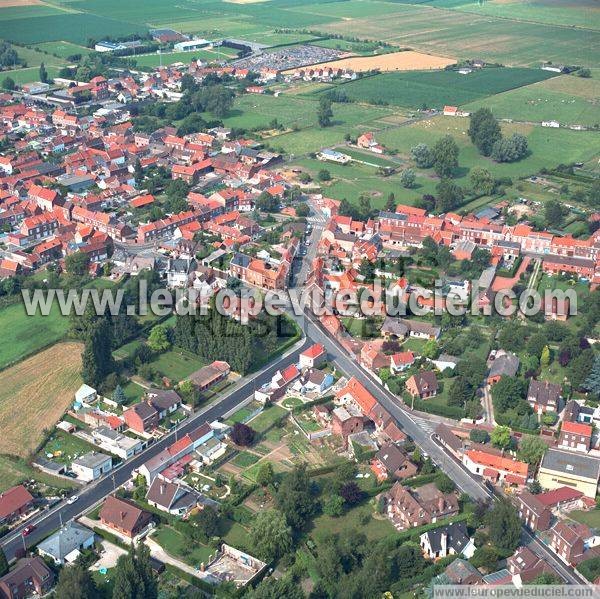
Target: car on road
x,y
73,499
28,530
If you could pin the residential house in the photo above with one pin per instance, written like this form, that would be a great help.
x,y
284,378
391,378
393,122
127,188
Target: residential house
x,y
575,436
313,381
571,469
408,508
30,576
346,420
142,417
543,396
91,466
535,515
524,566
85,395
401,361
451,442
452,539
423,384
568,541
115,442
164,401
124,517
209,375
504,364
172,497
64,546
391,461
461,572
14,503
496,468
313,357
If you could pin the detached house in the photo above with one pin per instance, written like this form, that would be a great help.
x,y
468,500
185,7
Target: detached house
x,y
423,384
535,515
391,461
14,502
448,540
313,357
30,576
543,396
123,516
172,497
141,417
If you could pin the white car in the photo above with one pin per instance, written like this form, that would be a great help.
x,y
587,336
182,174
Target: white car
x,y
73,499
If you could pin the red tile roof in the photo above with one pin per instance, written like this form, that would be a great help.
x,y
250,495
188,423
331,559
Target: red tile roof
x,y
13,500
361,396
560,495
498,462
576,428
313,351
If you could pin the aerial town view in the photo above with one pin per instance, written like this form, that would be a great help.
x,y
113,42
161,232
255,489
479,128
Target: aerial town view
x,y
299,299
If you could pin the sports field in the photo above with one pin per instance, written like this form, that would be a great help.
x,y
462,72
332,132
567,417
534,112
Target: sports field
x,y
439,88
35,393
167,58
568,99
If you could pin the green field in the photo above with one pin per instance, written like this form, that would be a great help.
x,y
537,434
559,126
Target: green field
x,y
155,60
63,49
14,471
567,99
23,335
465,35
177,364
434,89
28,75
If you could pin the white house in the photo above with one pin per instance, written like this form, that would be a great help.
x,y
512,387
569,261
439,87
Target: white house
x,y
91,466
448,540
553,124
85,395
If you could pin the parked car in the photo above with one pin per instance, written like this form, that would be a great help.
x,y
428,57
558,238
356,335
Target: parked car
x,y
28,530
73,499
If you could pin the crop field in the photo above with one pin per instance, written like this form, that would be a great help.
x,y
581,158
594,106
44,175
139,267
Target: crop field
x,y
567,99
439,88
583,13
466,35
396,61
23,335
34,395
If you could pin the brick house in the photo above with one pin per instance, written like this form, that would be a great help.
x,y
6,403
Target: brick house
x,y
391,461
30,576
575,436
346,421
123,516
535,515
141,417
568,541
14,502
423,384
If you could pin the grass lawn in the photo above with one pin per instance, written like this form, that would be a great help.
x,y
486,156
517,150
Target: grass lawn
x,y
267,418
591,518
176,544
547,282
127,350
235,534
23,335
14,471
413,344
245,459
63,49
177,364
167,58
133,392
65,447
291,402
362,327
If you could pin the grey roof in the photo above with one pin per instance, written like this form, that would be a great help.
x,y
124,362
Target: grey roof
x,y
70,537
487,276
487,212
543,392
93,459
572,464
459,570
506,364
241,260
446,435
457,537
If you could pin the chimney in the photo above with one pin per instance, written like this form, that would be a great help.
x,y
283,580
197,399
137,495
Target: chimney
x,y
122,514
441,503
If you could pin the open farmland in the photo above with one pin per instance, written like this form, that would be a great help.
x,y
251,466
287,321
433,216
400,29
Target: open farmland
x,y
439,88
466,35
34,395
396,61
23,335
567,99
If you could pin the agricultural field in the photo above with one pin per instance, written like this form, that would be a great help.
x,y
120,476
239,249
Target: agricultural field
x,y
395,61
439,88
467,35
24,335
568,99
34,395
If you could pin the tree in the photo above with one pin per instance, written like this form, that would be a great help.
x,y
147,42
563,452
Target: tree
x,y
501,437
484,130
8,83
507,393
265,474
532,449
97,354
324,175
478,435
294,497
473,369
535,488
271,535
485,557
302,210
43,73
585,73
592,382
547,578
545,357
445,156
138,172
553,214
242,434
390,204
482,180
77,263
580,368
133,576
118,395
204,524
505,526
334,506
189,393
407,178
324,112
460,391
273,588
511,149
351,493
444,483
76,582
431,349
3,562
449,195
158,340
422,156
